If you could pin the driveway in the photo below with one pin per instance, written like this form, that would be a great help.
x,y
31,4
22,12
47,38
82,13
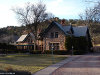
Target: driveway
x,y
84,65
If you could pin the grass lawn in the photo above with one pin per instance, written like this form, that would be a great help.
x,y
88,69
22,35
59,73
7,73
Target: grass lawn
x,y
31,63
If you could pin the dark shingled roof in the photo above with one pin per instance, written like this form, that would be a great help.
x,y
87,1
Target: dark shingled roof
x,y
80,31
77,31
23,37
65,29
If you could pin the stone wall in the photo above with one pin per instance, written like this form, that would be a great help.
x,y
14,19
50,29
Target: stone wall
x,y
61,38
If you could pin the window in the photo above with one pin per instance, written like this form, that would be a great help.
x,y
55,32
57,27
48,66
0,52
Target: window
x,y
30,40
54,46
56,34
52,35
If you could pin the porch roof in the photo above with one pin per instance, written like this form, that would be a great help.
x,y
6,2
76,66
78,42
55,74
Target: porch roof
x,y
22,38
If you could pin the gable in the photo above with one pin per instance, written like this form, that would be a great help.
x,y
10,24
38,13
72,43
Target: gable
x,y
67,30
64,29
24,37
54,30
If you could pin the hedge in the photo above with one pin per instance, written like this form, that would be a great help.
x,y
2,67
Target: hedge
x,y
59,52
78,43
79,52
15,72
7,46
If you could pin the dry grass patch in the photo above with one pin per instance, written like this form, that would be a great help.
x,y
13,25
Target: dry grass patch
x,y
31,63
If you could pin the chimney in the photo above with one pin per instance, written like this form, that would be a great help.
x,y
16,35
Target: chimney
x,y
56,19
39,30
63,22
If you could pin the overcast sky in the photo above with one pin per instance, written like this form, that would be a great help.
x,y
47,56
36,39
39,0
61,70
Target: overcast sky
x,y
68,9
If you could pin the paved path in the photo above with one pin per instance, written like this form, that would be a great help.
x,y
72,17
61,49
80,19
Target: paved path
x,y
52,68
84,65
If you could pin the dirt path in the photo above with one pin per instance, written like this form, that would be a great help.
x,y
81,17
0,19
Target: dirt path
x,y
85,65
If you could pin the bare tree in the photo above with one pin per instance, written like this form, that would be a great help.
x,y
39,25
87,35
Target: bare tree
x,y
32,15
91,17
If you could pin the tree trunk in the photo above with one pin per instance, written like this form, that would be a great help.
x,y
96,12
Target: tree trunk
x,y
34,44
35,34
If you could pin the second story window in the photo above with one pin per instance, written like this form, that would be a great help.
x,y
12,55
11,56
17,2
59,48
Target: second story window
x,y
56,34
52,35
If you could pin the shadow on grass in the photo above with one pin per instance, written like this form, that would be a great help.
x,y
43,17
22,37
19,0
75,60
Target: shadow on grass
x,y
14,72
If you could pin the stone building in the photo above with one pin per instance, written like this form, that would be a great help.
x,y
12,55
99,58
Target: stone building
x,y
53,36
25,42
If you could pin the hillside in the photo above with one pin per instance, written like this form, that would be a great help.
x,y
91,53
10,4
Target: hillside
x,y
7,33
14,32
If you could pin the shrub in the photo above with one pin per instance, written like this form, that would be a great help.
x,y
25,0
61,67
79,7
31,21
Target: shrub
x,y
78,43
79,52
16,72
7,48
35,51
59,52
8,69
22,73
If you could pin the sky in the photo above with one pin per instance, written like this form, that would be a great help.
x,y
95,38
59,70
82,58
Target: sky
x,y
64,9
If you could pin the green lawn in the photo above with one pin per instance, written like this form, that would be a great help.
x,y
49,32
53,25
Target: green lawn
x,y
31,63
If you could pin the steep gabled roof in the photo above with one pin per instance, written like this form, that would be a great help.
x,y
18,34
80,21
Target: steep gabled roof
x,y
23,37
80,31
67,30
64,29
60,27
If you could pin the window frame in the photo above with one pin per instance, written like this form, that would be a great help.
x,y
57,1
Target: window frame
x,y
55,45
51,35
56,34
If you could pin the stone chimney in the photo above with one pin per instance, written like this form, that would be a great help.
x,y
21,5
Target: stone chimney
x,y
56,19
63,22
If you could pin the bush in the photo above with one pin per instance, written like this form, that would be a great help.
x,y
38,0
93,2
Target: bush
x,y
35,52
78,43
79,52
16,72
7,48
22,73
59,52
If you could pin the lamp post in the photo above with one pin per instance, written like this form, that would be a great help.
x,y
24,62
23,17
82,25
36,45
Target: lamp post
x,y
72,49
71,34
52,47
72,52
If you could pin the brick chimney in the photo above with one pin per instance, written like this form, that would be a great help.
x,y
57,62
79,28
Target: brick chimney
x,y
38,31
63,22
